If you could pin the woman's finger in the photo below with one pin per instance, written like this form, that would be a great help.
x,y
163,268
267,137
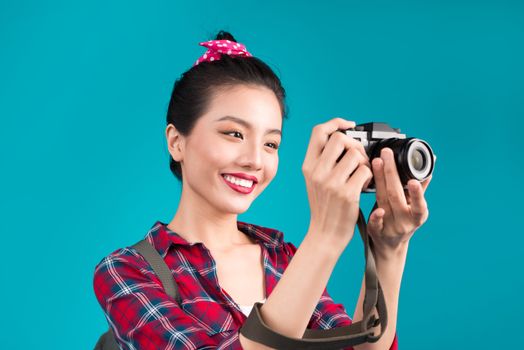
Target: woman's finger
x,y
395,191
408,197
347,165
360,176
319,138
337,144
425,183
380,184
419,209
376,221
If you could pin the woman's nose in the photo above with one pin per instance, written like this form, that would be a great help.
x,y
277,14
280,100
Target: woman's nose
x,y
252,157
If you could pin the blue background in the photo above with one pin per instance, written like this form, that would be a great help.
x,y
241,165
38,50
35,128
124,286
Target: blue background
x,y
84,88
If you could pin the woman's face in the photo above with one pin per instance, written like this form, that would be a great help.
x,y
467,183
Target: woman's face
x,y
240,135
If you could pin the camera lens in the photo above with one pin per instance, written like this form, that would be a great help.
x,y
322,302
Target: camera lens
x,y
413,157
417,160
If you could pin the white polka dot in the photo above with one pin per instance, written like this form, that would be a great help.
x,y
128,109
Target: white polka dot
x,y
220,51
229,52
205,55
212,59
228,41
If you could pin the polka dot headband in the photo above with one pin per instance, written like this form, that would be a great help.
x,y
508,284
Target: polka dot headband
x,y
218,47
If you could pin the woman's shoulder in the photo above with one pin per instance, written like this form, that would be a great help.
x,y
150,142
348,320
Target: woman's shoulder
x,y
125,257
121,272
122,257
130,256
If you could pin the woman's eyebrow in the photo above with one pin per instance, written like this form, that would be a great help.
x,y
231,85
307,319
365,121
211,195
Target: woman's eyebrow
x,y
247,124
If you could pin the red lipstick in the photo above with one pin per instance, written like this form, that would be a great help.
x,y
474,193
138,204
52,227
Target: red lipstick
x,y
238,188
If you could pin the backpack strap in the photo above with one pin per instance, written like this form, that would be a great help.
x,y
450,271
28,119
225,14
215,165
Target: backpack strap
x,y
107,340
159,267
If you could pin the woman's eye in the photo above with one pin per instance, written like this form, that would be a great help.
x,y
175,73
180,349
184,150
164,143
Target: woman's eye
x,y
238,133
234,132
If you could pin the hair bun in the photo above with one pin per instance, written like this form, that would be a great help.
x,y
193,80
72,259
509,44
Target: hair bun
x,y
223,35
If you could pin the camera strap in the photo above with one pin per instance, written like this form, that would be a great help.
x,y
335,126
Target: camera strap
x,y
357,333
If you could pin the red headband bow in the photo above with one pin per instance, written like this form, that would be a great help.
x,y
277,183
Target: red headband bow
x,y
218,47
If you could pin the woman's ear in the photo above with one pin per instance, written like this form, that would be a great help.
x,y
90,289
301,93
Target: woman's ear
x,y
175,142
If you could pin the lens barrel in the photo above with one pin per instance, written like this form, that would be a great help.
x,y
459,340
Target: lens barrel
x,y
414,157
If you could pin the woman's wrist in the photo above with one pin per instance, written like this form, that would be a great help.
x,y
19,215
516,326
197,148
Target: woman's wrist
x,y
387,251
329,244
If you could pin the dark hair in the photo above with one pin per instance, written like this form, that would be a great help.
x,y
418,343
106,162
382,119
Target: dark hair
x,y
195,88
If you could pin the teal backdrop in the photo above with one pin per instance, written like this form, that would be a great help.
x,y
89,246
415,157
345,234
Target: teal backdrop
x,y
84,88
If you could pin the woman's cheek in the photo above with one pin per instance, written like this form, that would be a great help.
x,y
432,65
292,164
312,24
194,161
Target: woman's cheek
x,y
219,152
272,167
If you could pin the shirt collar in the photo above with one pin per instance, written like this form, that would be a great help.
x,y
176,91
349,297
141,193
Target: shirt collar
x,y
163,237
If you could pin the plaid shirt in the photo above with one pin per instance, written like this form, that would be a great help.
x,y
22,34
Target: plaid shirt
x,y
144,317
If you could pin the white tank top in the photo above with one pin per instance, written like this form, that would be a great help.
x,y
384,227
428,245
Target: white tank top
x,y
246,309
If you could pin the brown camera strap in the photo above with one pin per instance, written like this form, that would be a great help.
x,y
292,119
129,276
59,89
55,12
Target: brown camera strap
x,y
357,333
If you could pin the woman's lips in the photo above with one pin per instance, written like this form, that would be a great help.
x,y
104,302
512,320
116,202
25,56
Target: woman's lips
x,y
238,188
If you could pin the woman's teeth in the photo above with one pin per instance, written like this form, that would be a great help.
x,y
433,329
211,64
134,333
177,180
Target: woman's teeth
x,y
239,182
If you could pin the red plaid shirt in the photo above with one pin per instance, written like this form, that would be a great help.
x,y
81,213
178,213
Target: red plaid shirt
x,y
144,317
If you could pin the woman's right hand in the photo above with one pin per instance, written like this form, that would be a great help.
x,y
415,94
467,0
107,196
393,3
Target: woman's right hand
x,y
334,188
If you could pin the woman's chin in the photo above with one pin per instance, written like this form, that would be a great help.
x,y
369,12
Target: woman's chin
x,y
236,203
237,208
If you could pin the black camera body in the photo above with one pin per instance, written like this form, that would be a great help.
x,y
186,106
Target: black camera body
x,y
414,157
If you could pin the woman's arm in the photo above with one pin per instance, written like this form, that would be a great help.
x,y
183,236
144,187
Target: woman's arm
x,y
290,305
390,226
311,276
336,169
390,267
334,181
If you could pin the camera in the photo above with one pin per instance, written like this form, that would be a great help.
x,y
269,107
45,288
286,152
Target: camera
x,y
414,157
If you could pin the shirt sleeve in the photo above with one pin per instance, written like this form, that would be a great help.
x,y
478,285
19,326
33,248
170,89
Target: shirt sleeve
x,y
143,316
328,314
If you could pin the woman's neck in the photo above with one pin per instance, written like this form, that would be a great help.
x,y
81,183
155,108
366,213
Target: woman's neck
x,y
196,221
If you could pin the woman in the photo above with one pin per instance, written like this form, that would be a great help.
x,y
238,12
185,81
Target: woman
x,y
224,129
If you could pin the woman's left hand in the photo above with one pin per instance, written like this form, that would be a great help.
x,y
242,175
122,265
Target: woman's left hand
x,y
399,214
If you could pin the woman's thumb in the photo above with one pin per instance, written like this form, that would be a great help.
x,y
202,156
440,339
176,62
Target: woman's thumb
x,y
376,221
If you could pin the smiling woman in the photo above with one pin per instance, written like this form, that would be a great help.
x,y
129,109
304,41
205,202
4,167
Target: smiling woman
x,y
224,129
